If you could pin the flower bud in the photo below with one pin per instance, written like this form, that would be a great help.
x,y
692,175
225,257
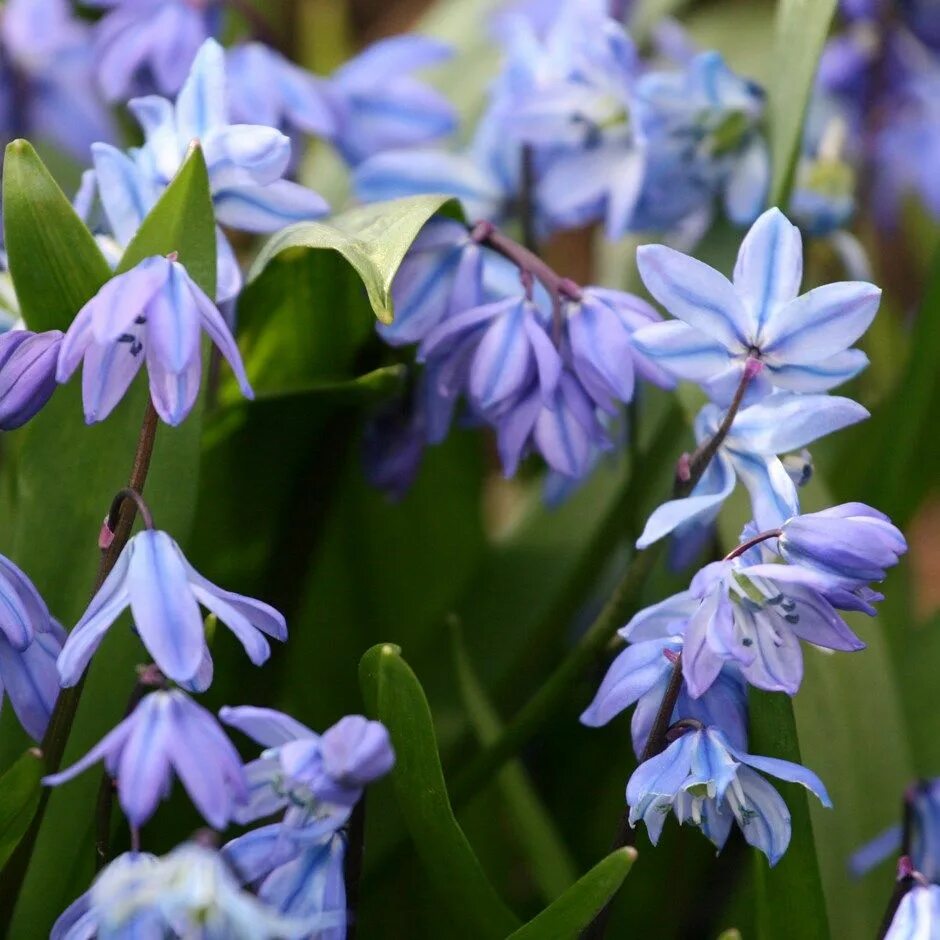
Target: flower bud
x,y
27,374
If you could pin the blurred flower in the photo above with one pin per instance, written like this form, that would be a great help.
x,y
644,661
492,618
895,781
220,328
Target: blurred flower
x,y
168,732
918,914
188,893
704,779
246,163
47,88
782,422
802,341
149,45
851,543
27,374
30,640
155,312
640,675
164,592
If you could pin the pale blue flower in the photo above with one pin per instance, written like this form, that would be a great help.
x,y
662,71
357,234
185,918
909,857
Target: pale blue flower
x,y
802,341
708,782
154,313
782,422
168,733
163,591
918,914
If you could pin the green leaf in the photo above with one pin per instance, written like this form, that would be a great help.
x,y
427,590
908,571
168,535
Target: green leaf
x,y
57,486
373,239
182,221
800,33
546,853
19,796
373,386
395,697
773,732
575,909
54,260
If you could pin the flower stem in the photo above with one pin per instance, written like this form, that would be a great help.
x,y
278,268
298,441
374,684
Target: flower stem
x,y
750,543
66,706
526,198
353,868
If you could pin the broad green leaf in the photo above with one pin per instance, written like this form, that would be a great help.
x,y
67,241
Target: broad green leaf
x,y
575,909
19,795
182,221
373,239
395,697
54,260
373,386
57,490
773,732
800,32
545,851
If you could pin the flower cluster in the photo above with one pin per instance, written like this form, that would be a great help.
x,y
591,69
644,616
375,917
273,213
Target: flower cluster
x,y
740,623
599,135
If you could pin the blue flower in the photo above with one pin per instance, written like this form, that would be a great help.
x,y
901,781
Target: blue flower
x,y
378,105
146,45
851,543
164,592
27,374
154,312
705,780
168,732
802,341
782,422
918,914
30,640
47,87
246,163
640,675
190,892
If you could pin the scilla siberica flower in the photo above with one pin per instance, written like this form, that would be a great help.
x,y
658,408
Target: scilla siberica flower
x,y
30,641
164,592
188,893
168,732
802,341
918,914
778,424
155,313
27,374
148,45
246,163
707,781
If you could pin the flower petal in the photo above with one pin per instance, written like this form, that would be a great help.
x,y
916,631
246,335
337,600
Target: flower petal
x,y
268,727
682,350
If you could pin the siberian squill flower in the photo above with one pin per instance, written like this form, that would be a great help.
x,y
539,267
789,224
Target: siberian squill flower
x,y
189,893
246,163
640,674
324,775
168,732
802,341
163,591
918,914
149,45
777,424
155,313
30,640
707,781
47,87
27,374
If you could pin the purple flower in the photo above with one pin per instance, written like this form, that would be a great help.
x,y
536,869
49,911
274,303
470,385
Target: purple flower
x,y
164,592
27,374
30,640
168,732
704,779
154,312
139,42
851,544
802,341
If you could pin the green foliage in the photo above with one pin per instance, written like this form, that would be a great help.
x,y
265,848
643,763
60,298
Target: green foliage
x,y
396,698
575,909
19,796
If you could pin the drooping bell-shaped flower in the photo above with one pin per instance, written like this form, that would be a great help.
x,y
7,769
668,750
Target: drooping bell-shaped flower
x,y
164,592
168,733
154,313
